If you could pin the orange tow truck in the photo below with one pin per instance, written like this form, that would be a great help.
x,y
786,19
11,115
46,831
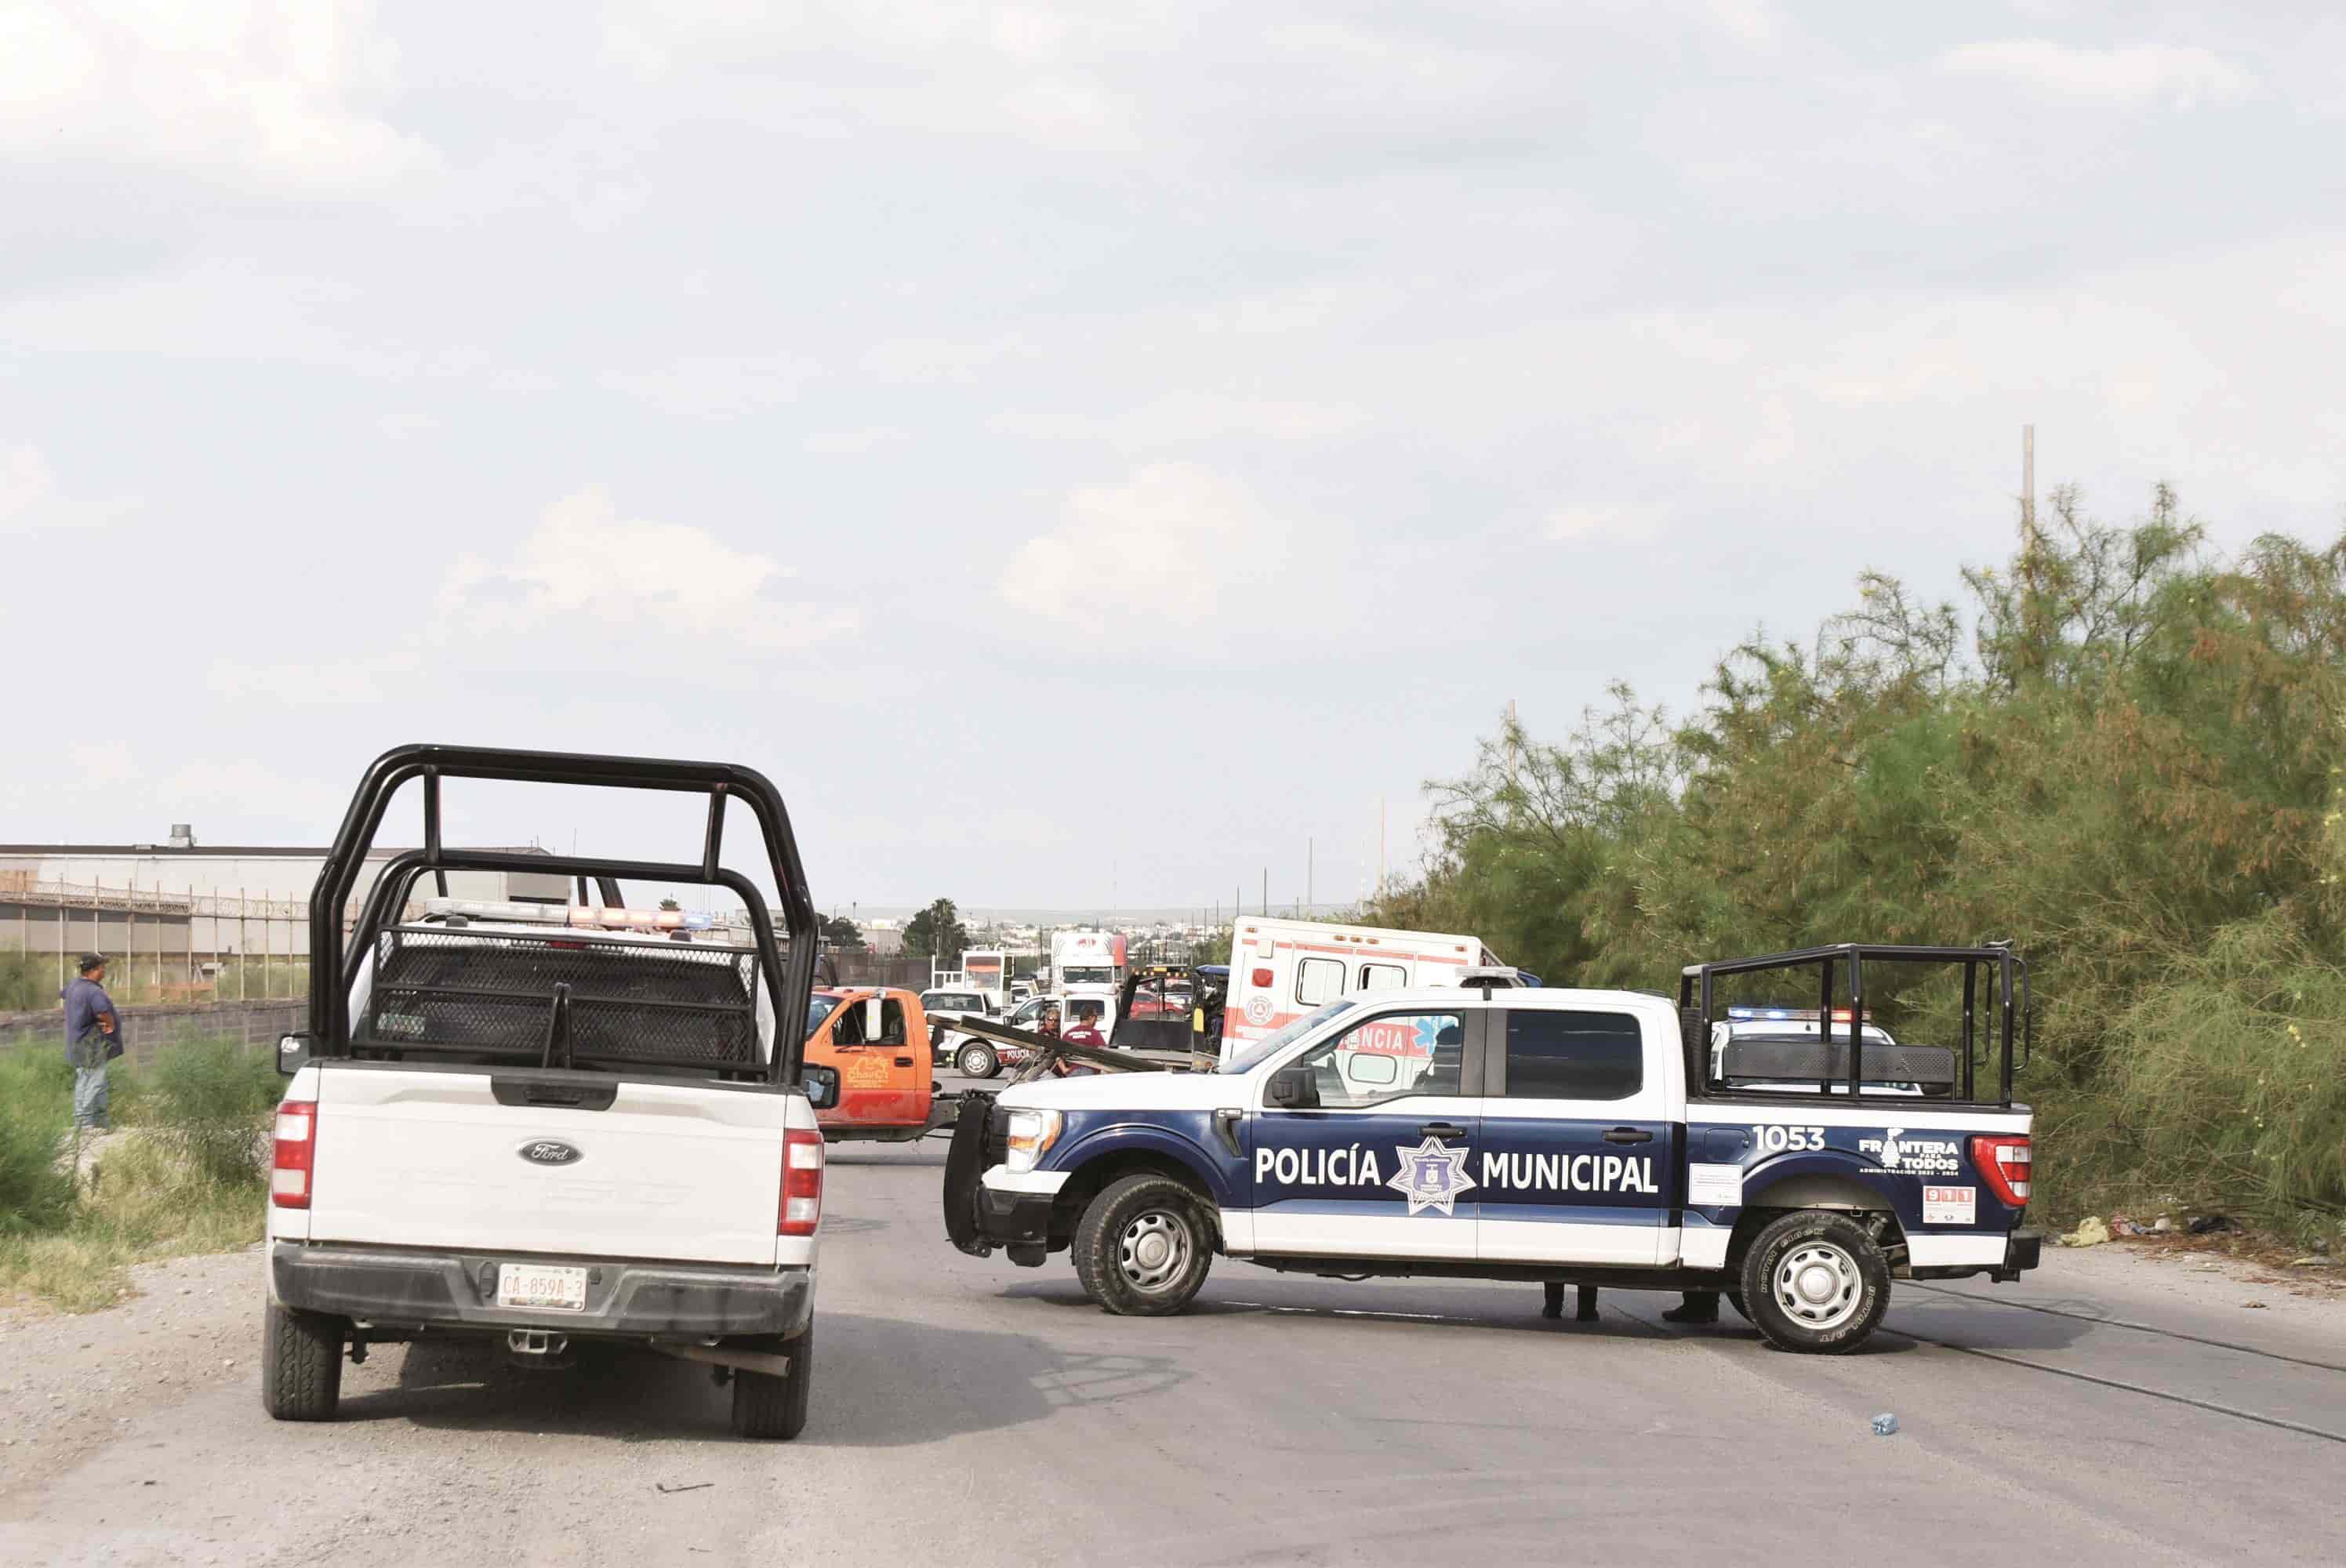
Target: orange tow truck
x,y
878,1039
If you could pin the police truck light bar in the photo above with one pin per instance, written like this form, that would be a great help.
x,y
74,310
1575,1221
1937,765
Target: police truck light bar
x,y
1786,1014
556,914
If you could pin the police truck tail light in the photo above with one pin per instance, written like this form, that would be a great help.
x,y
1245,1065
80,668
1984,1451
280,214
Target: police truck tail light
x,y
2004,1162
801,1184
297,1147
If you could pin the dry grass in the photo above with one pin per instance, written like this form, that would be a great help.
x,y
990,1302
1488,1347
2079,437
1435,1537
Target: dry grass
x,y
183,1174
148,1202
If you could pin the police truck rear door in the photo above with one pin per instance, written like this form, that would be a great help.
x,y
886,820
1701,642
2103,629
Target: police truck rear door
x,y
1582,1122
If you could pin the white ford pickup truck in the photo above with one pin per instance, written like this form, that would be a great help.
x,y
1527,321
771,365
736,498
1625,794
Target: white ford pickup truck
x,y
548,1125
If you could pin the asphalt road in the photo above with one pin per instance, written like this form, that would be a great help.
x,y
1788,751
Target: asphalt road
x,y
970,1412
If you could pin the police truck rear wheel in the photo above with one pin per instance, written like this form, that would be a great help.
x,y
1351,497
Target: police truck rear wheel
x,y
978,1062
1814,1281
1143,1246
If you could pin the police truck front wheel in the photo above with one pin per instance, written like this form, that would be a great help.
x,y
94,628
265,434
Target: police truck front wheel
x,y
1143,1246
1815,1281
978,1061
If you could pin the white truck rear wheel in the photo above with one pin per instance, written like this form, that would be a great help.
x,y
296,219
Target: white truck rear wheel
x,y
300,1364
775,1408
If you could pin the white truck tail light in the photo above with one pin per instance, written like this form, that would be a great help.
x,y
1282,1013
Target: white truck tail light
x,y
2004,1162
296,1154
801,1184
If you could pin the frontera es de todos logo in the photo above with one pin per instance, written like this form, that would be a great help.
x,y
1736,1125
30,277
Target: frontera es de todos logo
x,y
1431,1175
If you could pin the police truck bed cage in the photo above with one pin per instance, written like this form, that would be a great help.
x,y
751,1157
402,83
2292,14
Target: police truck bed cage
x,y
561,1001
565,997
1840,1059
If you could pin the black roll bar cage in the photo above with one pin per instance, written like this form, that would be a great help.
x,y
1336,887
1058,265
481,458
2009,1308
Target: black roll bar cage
x,y
334,965
2008,997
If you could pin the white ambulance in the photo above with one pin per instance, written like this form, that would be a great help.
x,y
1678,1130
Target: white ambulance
x,y
1282,969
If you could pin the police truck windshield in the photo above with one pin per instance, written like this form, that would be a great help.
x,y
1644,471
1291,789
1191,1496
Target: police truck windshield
x,y
1253,1055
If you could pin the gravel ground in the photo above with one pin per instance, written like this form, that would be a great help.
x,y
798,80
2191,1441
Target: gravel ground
x,y
2118,1407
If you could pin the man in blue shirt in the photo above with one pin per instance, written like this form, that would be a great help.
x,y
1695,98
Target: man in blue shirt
x,y
93,1038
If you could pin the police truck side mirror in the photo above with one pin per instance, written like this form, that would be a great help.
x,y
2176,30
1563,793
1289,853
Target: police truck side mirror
x,y
1293,1088
292,1052
821,1084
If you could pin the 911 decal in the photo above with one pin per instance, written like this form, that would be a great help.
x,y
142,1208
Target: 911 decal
x,y
1950,1204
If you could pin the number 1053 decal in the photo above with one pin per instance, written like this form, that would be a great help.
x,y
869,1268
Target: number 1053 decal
x,y
1776,1140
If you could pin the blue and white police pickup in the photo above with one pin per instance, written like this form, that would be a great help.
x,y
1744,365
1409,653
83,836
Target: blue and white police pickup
x,y
1596,1138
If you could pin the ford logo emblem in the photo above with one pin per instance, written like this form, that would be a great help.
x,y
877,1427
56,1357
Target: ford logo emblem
x,y
550,1151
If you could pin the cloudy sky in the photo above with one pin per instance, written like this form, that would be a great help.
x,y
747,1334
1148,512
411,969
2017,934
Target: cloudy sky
x,y
1081,452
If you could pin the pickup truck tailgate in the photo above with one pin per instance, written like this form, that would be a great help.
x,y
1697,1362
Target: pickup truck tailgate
x,y
441,1159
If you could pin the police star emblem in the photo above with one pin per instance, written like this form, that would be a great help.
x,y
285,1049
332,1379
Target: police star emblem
x,y
1431,1175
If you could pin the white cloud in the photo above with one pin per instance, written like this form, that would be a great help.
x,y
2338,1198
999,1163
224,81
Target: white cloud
x,y
1024,71
920,361
1185,419
273,93
1586,523
851,443
32,502
586,569
716,388
2181,75
29,489
364,681
1154,551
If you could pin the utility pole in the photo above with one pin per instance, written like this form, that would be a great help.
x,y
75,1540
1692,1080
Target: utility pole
x,y
1266,892
2028,486
1310,889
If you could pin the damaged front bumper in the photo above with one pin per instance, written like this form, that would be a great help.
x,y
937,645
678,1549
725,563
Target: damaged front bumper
x,y
988,1206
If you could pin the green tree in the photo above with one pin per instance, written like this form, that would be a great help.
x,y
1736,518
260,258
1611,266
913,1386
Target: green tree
x,y
936,932
2122,753
843,935
670,904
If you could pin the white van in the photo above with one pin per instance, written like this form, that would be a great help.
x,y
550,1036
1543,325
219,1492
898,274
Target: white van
x,y
1282,969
